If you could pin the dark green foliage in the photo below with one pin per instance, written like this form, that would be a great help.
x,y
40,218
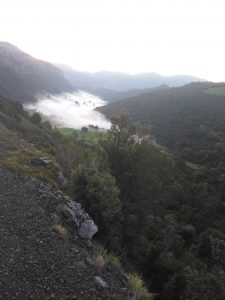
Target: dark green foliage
x,y
36,118
187,120
167,207
99,195
84,129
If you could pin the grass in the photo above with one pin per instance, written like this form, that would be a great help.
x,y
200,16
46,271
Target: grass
x,y
60,230
137,287
114,260
7,139
99,258
194,167
92,137
102,257
19,161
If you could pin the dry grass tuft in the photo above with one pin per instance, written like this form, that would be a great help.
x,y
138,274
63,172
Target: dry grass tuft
x,y
60,230
99,258
137,287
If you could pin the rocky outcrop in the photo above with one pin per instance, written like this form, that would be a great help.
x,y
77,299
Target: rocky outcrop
x,y
75,214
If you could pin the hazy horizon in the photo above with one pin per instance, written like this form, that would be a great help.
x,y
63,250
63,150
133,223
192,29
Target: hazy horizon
x,y
135,36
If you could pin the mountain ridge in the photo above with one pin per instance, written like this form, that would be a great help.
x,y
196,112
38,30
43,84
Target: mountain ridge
x,y
23,77
107,84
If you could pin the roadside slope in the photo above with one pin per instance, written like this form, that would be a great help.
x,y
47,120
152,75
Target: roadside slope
x,y
36,263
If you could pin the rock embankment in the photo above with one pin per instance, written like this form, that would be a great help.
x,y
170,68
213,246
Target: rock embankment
x,y
35,261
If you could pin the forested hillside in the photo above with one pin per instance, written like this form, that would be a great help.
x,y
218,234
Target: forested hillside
x,y
167,219
162,215
22,77
188,120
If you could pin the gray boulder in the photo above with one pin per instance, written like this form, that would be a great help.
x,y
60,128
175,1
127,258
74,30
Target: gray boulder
x,y
87,229
73,212
100,282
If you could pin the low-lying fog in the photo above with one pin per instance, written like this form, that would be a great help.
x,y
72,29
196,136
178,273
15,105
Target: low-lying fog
x,y
73,110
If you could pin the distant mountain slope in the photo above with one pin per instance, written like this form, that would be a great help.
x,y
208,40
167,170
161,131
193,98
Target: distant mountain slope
x,y
113,95
22,76
188,120
111,85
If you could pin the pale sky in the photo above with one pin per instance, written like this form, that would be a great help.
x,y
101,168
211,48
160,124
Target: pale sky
x,y
133,36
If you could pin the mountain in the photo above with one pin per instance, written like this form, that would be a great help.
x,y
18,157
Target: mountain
x,y
188,120
22,77
111,85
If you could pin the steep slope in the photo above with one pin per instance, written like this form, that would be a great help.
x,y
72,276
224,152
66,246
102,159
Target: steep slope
x,y
36,262
46,250
112,85
22,76
188,120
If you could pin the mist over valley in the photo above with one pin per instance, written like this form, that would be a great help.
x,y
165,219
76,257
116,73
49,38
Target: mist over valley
x,y
73,110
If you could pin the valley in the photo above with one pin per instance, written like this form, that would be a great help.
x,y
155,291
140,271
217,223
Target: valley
x,y
112,185
73,110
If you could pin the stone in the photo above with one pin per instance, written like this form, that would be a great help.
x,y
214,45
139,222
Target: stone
x,y
70,214
100,282
41,161
74,205
88,229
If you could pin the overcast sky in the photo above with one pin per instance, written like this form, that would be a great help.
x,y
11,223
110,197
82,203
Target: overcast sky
x,y
164,36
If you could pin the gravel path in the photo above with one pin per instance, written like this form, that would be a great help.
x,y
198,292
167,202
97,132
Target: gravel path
x,y
35,263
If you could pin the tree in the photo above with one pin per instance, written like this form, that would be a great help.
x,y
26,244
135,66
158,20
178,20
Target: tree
x,y
84,129
36,118
98,193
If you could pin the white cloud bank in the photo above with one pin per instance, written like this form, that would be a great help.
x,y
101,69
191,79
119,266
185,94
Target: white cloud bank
x,y
73,110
